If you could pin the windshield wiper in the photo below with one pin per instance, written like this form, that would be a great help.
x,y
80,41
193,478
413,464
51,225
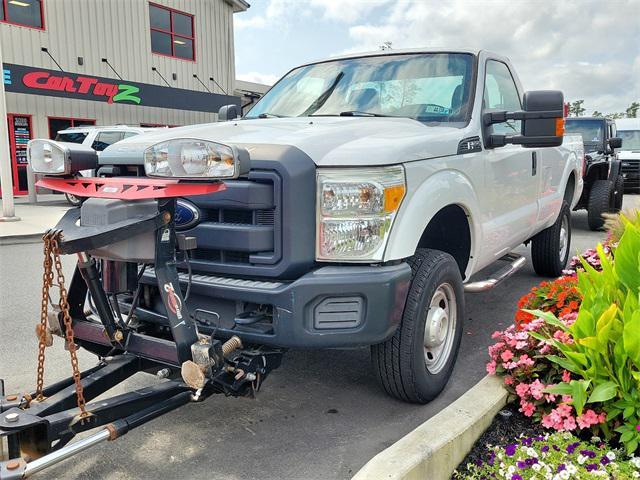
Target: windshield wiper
x,y
324,96
358,113
270,115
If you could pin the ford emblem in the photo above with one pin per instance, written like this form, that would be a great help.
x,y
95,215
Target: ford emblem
x,y
187,214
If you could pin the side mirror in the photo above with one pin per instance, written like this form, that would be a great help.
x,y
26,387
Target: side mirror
x,y
542,121
228,112
615,142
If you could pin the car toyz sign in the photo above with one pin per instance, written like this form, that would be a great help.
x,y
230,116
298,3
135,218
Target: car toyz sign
x,y
39,81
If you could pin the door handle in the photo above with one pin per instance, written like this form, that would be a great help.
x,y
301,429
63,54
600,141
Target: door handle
x,y
534,163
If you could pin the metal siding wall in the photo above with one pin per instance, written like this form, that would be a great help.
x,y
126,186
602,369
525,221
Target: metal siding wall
x,y
119,31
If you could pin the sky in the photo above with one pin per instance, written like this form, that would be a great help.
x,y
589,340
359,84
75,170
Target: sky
x,y
588,49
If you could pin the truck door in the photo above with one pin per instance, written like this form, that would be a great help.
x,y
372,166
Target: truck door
x,y
511,177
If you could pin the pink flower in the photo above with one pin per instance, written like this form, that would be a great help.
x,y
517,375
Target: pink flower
x,y
570,424
506,355
522,345
525,361
508,380
566,399
527,408
491,367
510,365
588,418
536,389
564,410
566,376
522,390
496,334
550,397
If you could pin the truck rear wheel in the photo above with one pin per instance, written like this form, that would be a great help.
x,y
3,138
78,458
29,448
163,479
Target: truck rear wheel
x,y
550,247
415,364
601,200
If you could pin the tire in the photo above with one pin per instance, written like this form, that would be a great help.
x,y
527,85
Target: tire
x,y
600,201
73,200
550,247
618,193
402,363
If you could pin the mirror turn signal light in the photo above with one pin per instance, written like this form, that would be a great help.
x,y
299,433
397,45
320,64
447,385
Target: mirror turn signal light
x,y
559,127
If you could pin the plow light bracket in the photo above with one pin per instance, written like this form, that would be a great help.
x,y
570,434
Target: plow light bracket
x,y
49,157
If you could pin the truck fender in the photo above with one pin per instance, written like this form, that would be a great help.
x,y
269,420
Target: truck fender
x,y
422,202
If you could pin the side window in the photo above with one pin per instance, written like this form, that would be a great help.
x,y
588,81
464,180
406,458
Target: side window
x,y
130,134
500,92
104,139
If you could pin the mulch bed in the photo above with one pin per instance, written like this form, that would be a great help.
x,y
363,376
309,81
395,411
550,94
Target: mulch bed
x,y
507,425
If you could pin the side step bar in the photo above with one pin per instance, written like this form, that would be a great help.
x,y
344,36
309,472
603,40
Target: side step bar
x,y
516,262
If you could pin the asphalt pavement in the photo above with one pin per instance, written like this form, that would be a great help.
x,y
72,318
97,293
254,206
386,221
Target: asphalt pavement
x,y
320,416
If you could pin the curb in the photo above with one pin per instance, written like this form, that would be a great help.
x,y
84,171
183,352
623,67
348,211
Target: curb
x,y
434,449
21,239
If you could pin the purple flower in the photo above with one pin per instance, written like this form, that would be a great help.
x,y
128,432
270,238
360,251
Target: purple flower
x,y
521,465
539,438
545,449
561,467
638,427
531,461
588,453
515,476
605,460
572,448
492,458
527,441
591,467
510,449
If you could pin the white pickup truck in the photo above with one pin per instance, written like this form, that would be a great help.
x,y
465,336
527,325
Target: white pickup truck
x,y
378,185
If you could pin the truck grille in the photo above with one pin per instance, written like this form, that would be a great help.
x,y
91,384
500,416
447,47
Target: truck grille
x,y
631,172
239,226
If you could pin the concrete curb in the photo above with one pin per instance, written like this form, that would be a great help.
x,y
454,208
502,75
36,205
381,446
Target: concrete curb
x,y
434,449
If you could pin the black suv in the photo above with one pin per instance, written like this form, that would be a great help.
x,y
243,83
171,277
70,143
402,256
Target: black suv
x,y
603,181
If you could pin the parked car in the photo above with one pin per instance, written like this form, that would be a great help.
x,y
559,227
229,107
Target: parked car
x,y
629,154
373,190
603,180
98,138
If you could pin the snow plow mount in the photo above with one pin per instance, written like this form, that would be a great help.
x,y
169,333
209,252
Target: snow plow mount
x,y
37,429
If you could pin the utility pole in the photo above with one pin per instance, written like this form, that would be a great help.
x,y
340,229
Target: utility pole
x,y
8,208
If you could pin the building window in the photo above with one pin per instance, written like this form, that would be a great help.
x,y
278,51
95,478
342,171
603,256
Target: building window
x,y
172,32
22,12
62,123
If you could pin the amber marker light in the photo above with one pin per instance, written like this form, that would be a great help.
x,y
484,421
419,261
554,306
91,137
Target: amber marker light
x,y
392,197
559,127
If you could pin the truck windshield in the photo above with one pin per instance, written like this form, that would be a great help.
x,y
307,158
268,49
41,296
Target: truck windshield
x,y
71,137
591,130
433,87
630,139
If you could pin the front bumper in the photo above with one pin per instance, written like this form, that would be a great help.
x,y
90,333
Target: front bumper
x,y
341,306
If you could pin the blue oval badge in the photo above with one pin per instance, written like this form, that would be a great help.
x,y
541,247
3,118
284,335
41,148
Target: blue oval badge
x,y
187,214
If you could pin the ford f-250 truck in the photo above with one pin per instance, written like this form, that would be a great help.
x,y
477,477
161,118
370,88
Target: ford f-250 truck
x,y
375,187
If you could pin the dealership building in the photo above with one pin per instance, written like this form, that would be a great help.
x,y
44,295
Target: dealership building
x,y
105,62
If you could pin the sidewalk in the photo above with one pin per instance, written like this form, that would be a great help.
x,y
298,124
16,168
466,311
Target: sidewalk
x,y
34,219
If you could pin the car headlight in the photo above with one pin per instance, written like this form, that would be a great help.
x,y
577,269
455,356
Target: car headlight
x,y
356,208
49,157
193,158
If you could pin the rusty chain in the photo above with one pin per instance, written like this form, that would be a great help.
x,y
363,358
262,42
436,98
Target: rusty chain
x,y
52,258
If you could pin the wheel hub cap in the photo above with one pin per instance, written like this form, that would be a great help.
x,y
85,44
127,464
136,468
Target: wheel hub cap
x,y
440,328
564,238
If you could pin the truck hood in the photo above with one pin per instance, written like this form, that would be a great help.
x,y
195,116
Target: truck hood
x,y
328,141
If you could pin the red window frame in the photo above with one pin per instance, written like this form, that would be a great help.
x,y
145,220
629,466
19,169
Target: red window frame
x,y
173,34
73,121
9,22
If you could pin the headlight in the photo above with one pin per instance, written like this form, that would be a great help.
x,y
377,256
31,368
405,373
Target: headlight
x,y
49,157
356,208
192,158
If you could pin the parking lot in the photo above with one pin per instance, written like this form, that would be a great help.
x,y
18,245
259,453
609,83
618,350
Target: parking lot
x,y
320,416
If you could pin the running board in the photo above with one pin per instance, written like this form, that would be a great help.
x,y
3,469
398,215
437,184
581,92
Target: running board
x,y
516,262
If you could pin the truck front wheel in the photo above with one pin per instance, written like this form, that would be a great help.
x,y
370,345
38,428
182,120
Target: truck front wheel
x,y
415,364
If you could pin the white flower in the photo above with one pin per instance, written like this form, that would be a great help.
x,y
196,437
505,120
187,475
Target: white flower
x,y
635,461
635,475
581,459
611,455
595,439
531,452
565,475
536,467
511,469
571,469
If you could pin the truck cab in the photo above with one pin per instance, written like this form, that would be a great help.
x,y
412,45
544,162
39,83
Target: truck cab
x,y
629,154
603,178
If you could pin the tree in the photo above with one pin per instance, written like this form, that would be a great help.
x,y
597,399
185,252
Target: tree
x,y
596,113
632,110
576,109
386,46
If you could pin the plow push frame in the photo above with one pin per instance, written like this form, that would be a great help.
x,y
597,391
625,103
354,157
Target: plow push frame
x,y
36,429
